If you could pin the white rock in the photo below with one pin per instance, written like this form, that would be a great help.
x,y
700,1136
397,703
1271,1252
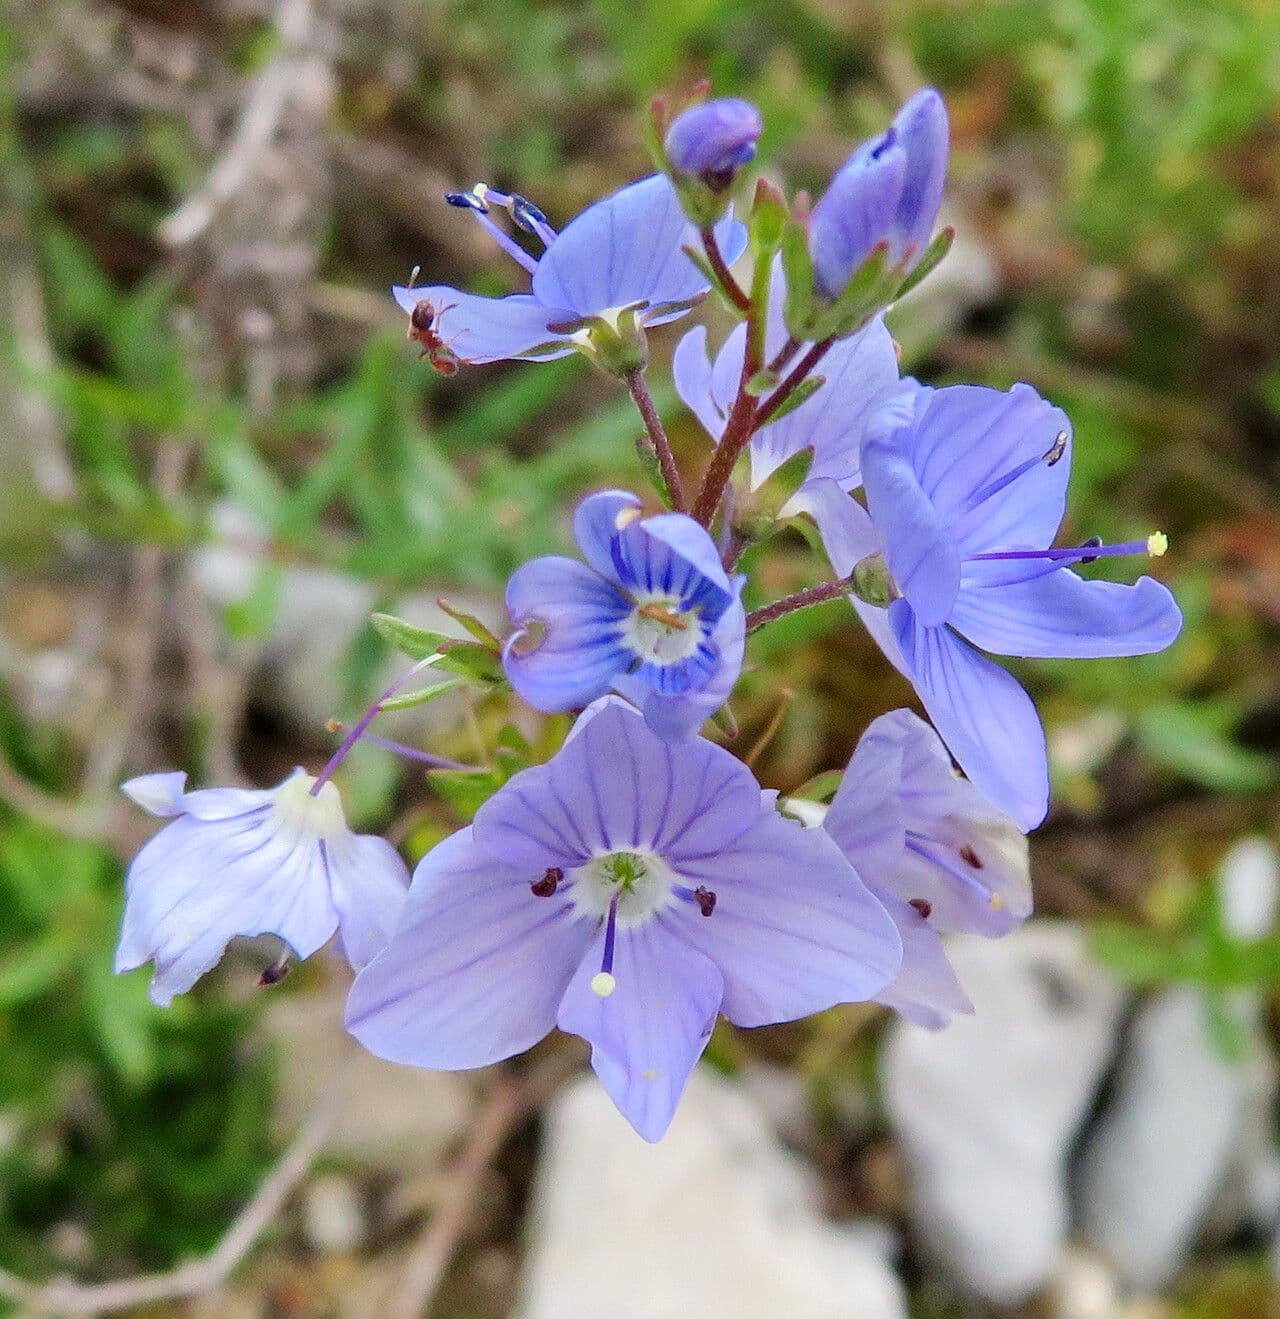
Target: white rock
x,y
714,1222
332,1216
1248,886
393,1118
1167,1141
987,1108
1084,1288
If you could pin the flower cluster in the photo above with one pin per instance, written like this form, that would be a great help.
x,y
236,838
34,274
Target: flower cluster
x,y
641,883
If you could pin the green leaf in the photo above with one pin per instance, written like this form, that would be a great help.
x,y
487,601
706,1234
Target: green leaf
x,y
1194,741
415,642
472,624
409,700
933,255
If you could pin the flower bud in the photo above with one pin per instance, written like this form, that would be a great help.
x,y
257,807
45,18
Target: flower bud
x,y
886,195
712,141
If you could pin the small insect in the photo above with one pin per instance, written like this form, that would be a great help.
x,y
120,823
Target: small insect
x,y
424,321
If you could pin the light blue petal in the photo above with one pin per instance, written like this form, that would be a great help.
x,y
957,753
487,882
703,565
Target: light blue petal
x,y
1062,615
677,717
200,883
368,881
866,818
925,991
855,214
157,794
984,716
923,134
691,373
647,1036
595,526
861,373
965,439
794,930
567,649
626,249
689,541
616,785
477,966
477,329
848,537
920,551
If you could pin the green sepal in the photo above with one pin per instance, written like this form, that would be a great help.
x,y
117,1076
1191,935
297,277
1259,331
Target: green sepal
x,y
411,699
872,582
797,266
802,393
471,623
929,262
762,383
821,788
472,660
477,660
869,290
768,219
415,642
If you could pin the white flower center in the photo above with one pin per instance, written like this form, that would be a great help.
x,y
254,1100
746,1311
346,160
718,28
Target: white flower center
x,y
641,881
659,631
319,816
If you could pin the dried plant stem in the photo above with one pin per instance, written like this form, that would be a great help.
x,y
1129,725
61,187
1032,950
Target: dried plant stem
x,y
75,1299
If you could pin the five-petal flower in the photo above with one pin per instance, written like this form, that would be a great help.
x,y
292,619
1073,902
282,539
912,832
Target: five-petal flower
x,y
937,854
237,862
966,489
651,614
623,252
628,890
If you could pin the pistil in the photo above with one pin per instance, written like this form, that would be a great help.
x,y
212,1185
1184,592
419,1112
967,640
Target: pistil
x,y
1154,546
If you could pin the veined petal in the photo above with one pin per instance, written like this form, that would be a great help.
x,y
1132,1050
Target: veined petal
x,y
368,881
856,212
478,329
669,554
861,373
983,714
691,372
794,930
865,818
616,785
966,439
923,134
848,537
677,717
477,966
198,884
1063,615
595,524
689,541
920,551
925,991
646,1036
628,249
568,648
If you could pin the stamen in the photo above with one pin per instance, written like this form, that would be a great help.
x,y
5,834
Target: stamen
x,y
276,972
663,616
546,886
1049,458
968,854
1153,546
704,897
477,202
922,905
408,752
530,218
603,983
930,851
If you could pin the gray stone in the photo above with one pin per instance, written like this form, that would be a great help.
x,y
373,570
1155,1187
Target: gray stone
x,y
714,1221
986,1109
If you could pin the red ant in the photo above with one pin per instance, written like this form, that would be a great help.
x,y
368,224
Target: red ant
x,y
423,321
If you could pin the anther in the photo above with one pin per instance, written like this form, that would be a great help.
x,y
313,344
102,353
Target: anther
x,y
968,854
922,905
1157,544
468,201
1092,542
276,972
1056,450
705,899
546,886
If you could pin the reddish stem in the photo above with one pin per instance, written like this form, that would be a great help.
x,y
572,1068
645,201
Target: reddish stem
x,y
732,288
799,373
789,604
657,438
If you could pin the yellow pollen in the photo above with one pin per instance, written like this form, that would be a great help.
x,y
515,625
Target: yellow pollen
x,y
1157,544
626,517
997,901
663,616
603,984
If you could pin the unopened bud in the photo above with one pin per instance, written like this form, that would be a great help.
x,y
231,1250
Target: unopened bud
x,y
712,141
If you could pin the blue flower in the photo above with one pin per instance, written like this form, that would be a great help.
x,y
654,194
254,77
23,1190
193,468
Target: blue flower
x,y
938,856
629,890
239,862
966,490
860,373
622,252
651,614
888,192
710,142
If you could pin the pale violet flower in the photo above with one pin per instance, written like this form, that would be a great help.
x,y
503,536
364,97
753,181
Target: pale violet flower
x,y
629,891
238,862
935,852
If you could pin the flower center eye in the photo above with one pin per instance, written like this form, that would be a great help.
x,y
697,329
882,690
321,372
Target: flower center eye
x,y
638,883
660,631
